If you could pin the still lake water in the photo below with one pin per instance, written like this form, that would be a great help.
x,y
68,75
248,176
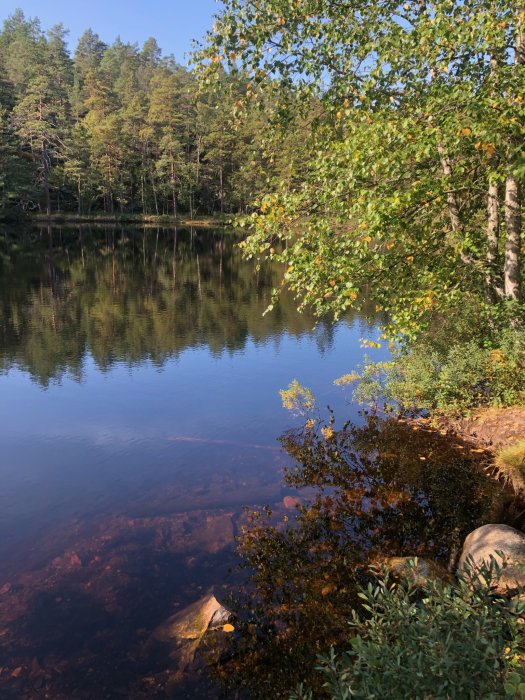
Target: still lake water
x,y
139,413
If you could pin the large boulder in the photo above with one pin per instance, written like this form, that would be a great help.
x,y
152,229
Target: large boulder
x,y
495,543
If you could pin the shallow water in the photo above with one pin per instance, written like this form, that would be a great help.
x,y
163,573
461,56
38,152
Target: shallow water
x,y
139,413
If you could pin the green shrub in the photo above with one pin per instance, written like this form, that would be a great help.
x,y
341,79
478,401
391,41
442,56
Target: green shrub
x,y
510,461
437,641
472,357
453,379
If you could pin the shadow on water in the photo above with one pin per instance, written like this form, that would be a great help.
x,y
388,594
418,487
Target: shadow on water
x,y
388,488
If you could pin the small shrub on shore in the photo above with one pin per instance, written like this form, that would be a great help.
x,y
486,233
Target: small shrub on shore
x,y
449,379
510,461
433,641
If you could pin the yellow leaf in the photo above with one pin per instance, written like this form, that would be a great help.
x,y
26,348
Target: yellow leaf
x,y
330,588
228,628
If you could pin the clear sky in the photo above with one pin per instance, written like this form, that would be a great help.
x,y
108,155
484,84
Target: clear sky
x,y
174,23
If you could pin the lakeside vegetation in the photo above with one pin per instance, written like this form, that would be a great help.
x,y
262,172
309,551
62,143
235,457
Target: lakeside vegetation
x,y
413,180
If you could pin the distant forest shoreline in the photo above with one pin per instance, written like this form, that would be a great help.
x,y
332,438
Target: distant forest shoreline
x,y
123,130
71,219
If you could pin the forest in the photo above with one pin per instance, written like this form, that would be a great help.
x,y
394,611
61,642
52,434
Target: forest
x,y
119,129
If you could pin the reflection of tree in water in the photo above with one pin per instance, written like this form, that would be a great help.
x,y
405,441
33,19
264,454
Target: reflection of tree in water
x,y
128,295
387,488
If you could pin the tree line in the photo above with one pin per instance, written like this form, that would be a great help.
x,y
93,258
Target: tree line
x,y
119,128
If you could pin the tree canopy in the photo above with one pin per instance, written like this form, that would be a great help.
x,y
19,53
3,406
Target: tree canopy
x,y
414,173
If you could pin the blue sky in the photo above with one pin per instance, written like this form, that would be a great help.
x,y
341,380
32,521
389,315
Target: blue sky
x,y
174,23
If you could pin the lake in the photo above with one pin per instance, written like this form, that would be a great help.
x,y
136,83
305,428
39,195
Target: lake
x,y
140,412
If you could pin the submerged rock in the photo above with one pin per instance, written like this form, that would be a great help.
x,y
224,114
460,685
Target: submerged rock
x,y
501,544
184,631
421,569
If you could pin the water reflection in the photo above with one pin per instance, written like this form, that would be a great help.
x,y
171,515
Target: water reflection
x,y
130,296
139,415
366,492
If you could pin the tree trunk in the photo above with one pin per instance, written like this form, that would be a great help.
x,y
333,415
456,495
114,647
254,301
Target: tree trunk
x,y
512,272
221,189
152,180
492,279
173,188
45,176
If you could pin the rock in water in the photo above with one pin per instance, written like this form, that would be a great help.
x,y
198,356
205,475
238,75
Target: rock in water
x,y
420,570
184,630
499,543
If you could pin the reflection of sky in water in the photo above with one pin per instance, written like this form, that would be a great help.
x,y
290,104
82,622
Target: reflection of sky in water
x,y
206,396
81,447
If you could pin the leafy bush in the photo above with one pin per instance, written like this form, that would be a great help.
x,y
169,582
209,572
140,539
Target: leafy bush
x,y
433,641
449,378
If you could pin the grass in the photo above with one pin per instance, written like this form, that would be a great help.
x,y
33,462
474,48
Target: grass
x,y
510,461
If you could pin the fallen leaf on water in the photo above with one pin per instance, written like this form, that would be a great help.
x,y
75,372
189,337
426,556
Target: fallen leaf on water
x,y
335,525
228,628
5,588
17,672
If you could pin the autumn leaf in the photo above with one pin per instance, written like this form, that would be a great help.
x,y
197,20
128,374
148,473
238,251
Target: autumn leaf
x,y
329,588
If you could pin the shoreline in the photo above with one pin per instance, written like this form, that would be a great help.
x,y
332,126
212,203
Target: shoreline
x,y
147,220
143,219
490,430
